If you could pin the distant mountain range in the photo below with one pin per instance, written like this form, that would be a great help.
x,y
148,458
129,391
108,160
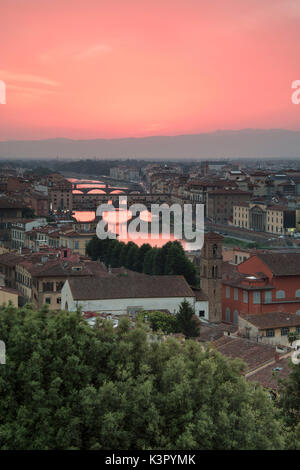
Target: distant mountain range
x,y
246,143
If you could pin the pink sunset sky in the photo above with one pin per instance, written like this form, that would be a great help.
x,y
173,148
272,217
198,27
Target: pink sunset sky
x,y
134,68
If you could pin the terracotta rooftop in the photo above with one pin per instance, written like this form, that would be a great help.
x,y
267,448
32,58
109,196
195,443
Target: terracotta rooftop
x,y
117,287
10,290
211,332
231,276
281,264
225,191
74,234
10,259
199,294
269,376
252,353
65,268
273,320
212,235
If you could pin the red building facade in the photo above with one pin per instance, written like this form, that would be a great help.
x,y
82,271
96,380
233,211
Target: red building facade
x,y
266,282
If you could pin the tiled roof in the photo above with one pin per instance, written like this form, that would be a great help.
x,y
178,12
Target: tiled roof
x,y
199,294
9,290
210,332
212,236
269,377
232,277
237,192
74,234
10,259
273,320
120,288
252,353
63,268
282,264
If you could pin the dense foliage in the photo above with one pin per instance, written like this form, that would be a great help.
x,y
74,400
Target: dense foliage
x,y
160,321
186,321
170,259
67,385
289,403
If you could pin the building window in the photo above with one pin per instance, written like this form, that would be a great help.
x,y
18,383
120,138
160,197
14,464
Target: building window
x,y
236,294
285,331
201,313
270,333
256,297
298,330
245,296
58,300
227,292
268,296
59,286
298,312
227,313
297,294
235,317
47,286
48,300
280,294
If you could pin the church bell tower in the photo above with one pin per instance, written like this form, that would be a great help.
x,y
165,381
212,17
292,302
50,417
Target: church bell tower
x,y
211,274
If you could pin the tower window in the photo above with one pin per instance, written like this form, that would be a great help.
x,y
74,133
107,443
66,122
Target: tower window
x,y
214,272
215,250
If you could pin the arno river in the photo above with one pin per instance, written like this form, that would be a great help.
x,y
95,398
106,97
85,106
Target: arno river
x,y
119,217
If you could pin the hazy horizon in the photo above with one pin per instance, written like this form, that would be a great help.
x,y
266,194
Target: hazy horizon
x,y
245,143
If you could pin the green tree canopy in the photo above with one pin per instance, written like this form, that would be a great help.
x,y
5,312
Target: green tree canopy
x,y
170,259
290,397
165,322
67,385
186,321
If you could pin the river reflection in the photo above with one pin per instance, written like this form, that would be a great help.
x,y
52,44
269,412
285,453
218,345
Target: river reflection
x,y
117,220
117,223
